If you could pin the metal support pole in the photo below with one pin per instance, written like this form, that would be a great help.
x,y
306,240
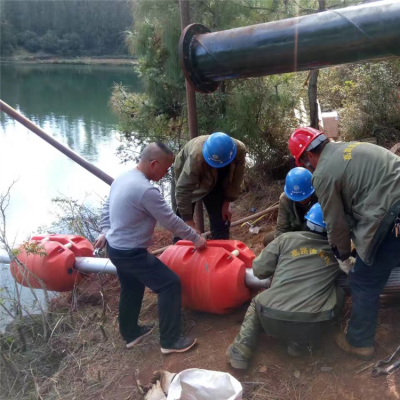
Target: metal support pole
x,y
192,108
55,143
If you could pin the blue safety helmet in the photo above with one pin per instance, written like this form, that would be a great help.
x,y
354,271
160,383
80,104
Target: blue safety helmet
x,y
219,150
298,184
315,218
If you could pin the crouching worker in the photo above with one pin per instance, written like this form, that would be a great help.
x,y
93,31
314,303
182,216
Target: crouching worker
x,y
296,200
302,297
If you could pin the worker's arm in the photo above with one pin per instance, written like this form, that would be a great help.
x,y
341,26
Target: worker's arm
x,y
155,205
232,191
104,225
265,264
185,186
328,191
283,222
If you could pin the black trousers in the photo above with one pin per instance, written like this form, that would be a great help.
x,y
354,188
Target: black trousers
x,y
137,269
213,202
366,284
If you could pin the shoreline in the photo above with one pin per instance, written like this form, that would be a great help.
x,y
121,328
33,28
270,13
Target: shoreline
x,y
102,60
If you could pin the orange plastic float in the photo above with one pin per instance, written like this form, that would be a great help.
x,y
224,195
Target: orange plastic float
x,y
55,269
213,280
245,254
80,246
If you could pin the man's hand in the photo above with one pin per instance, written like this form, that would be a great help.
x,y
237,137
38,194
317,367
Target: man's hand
x,y
201,243
347,265
193,226
226,213
100,242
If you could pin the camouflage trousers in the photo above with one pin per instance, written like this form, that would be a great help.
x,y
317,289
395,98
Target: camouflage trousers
x,y
304,333
246,339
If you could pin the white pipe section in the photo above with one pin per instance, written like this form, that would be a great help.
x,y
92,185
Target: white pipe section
x,y
96,265
105,266
4,258
253,282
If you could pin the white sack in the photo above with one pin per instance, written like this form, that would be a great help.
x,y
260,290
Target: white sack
x,y
201,384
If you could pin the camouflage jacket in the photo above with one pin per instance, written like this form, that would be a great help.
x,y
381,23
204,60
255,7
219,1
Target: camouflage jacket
x,y
289,215
358,187
194,178
303,286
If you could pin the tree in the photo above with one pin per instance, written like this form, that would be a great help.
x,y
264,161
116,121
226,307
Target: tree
x,y
7,38
50,42
257,111
100,24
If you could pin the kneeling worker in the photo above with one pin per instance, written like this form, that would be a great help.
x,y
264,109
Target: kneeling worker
x,y
209,168
296,200
302,296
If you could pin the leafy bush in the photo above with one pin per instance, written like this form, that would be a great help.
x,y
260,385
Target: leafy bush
x,y
23,37
71,43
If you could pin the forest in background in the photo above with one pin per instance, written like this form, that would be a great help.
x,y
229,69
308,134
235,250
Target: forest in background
x,y
65,27
258,111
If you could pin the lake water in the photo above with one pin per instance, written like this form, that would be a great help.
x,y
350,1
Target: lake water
x,y
71,104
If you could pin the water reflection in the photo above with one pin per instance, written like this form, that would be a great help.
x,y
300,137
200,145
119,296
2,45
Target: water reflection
x,y
71,104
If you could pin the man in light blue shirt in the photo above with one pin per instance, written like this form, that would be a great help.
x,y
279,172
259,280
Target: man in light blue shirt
x,y
129,217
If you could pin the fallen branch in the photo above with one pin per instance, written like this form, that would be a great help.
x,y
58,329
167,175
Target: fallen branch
x,y
233,224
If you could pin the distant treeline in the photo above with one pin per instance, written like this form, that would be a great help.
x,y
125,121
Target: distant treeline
x,y
65,27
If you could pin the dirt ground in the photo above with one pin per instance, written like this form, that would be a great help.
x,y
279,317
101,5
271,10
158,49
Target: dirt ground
x,y
324,373
96,364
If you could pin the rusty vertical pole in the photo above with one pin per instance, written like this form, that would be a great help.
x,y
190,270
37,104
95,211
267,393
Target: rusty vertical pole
x,y
192,108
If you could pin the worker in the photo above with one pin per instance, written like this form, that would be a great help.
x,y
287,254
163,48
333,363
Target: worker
x,y
302,297
298,197
358,187
209,168
129,216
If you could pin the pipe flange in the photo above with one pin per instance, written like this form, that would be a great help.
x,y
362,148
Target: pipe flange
x,y
185,44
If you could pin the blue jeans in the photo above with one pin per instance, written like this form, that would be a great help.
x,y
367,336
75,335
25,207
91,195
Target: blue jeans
x,y
366,284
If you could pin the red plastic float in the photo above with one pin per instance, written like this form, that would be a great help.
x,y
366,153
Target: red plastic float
x,y
80,246
245,254
55,269
213,280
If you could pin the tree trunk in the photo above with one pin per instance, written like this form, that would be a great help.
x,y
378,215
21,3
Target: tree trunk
x,y
173,198
312,98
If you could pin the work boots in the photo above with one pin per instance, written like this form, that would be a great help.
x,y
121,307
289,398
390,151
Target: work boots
x,y
236,358
365,353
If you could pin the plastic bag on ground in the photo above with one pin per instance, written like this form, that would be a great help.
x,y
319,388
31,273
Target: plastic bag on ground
x,y
201,384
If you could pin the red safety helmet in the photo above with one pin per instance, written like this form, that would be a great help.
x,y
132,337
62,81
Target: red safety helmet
x,y
301,139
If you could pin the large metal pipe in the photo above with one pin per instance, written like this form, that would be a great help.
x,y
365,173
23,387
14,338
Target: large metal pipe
x,y
365,32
